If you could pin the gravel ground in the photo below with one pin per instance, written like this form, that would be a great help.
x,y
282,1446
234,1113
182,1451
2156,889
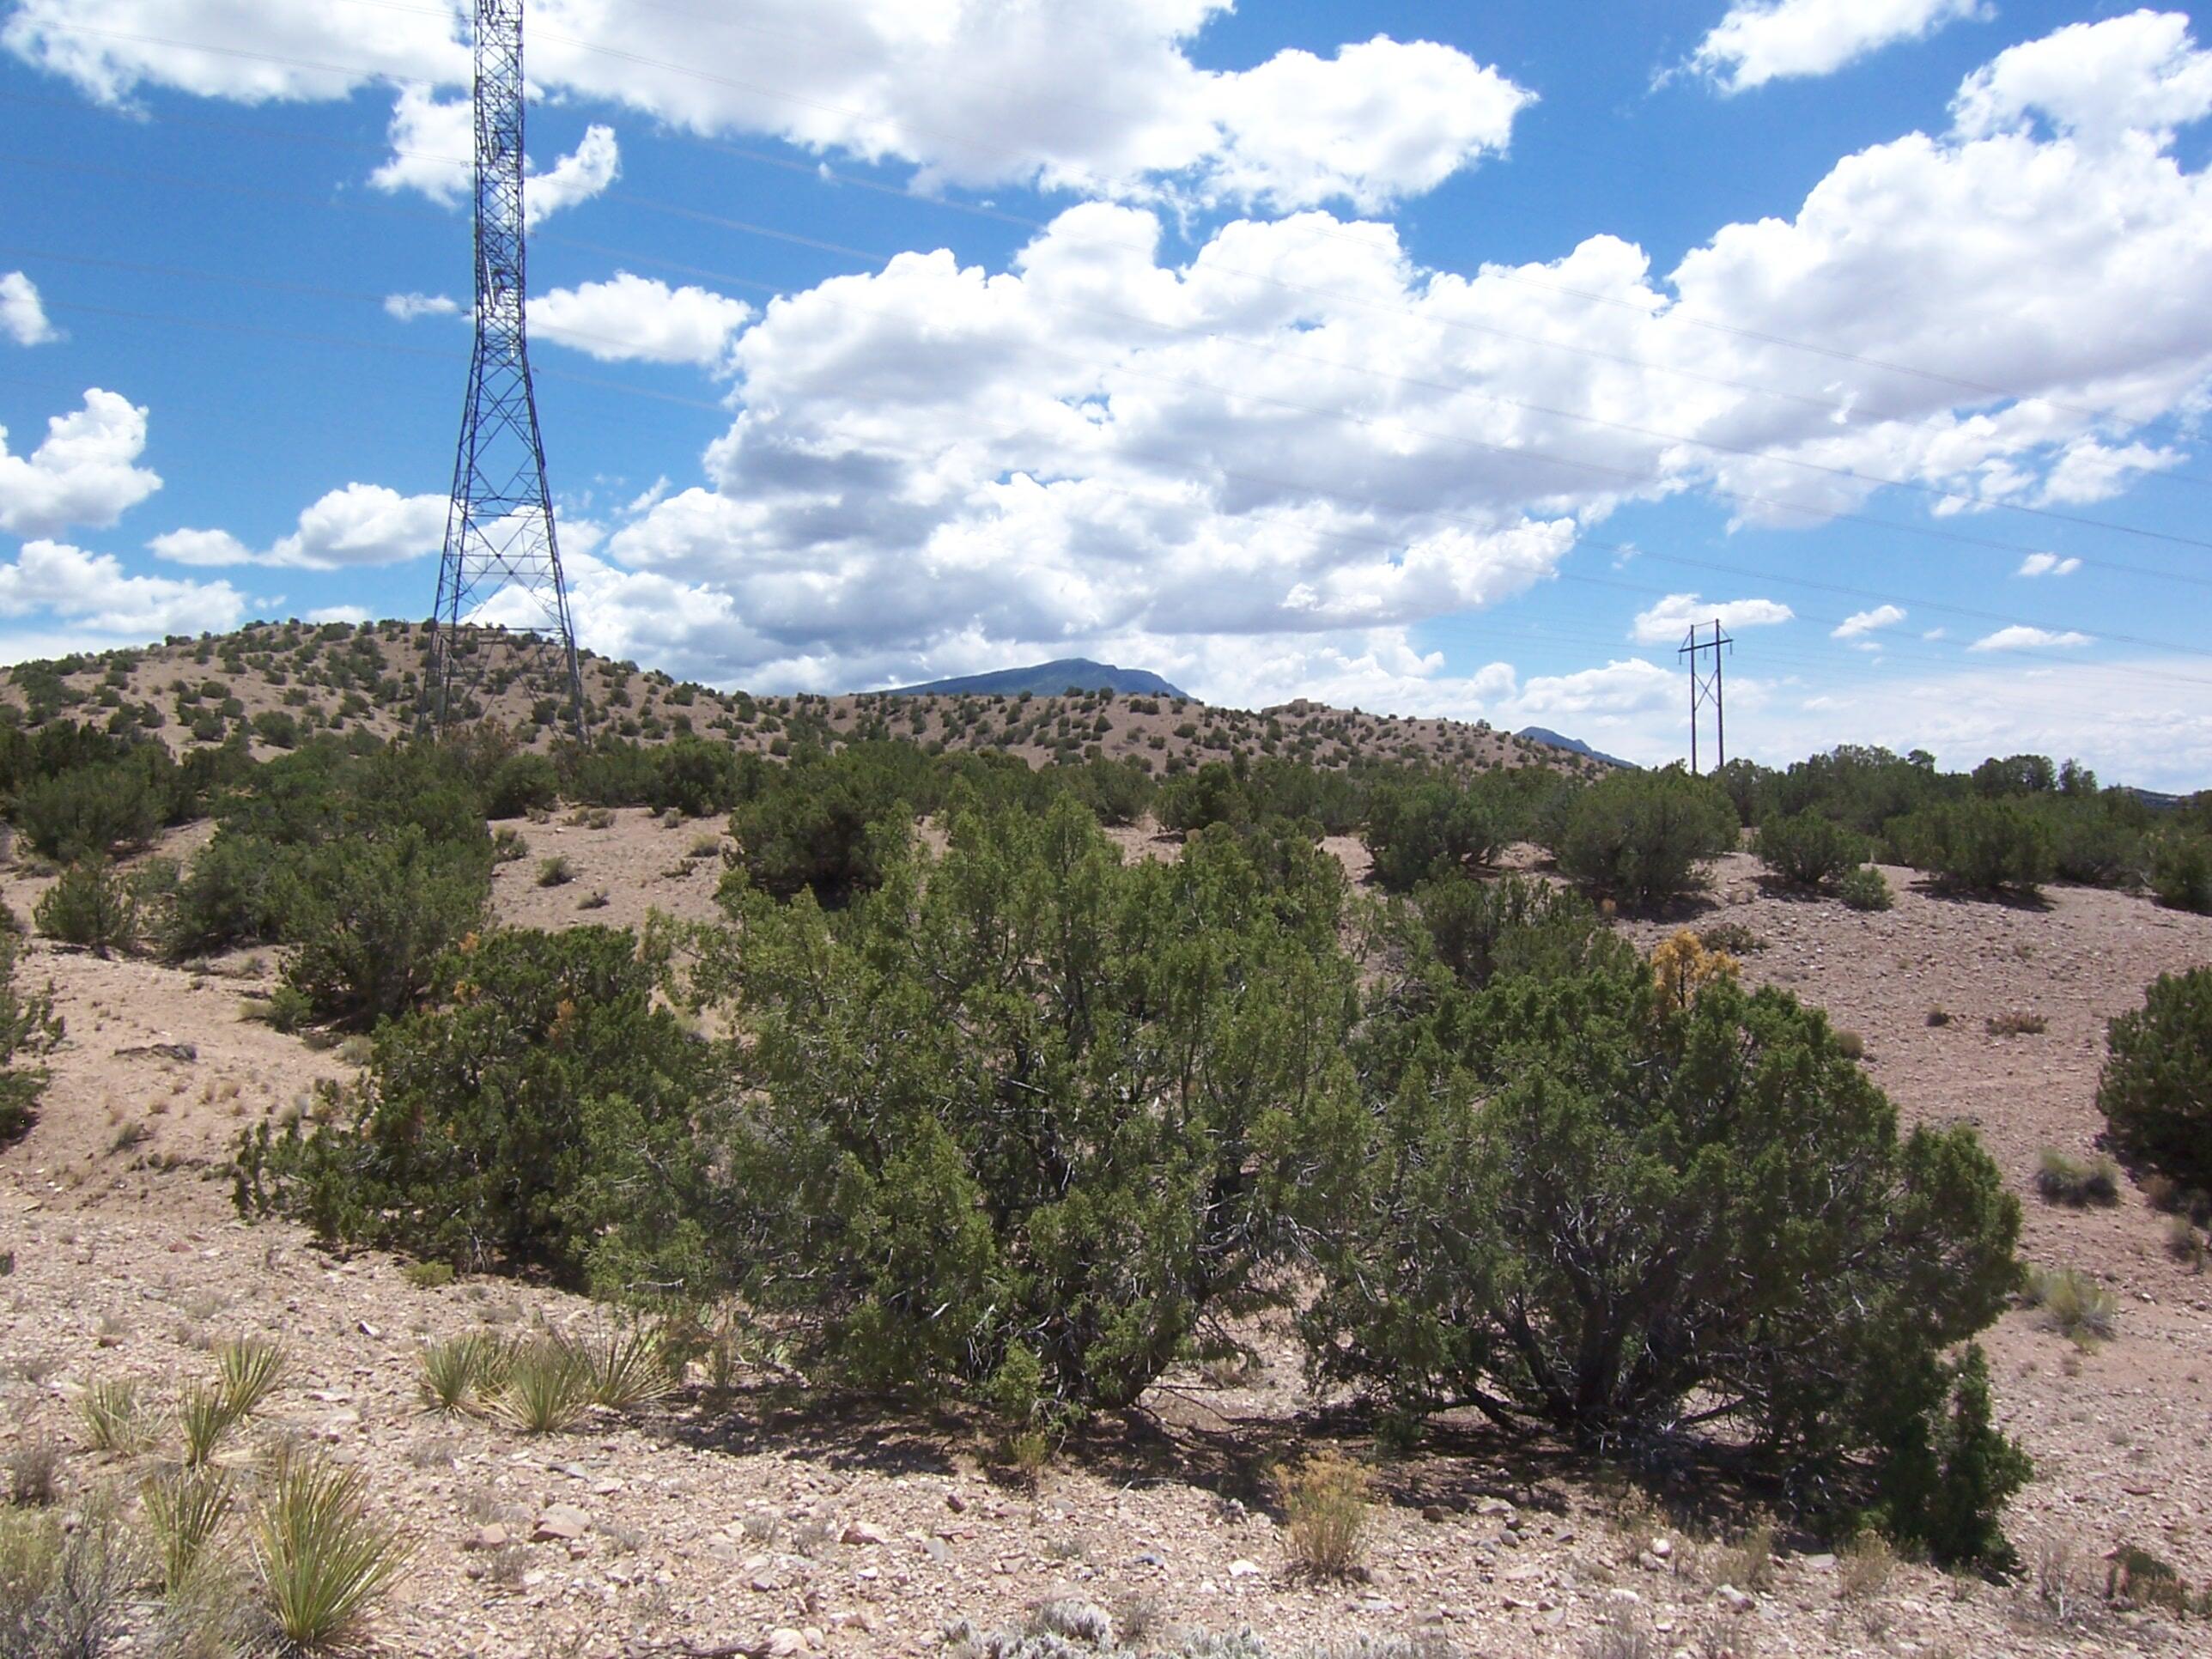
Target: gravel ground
x,y
783,1520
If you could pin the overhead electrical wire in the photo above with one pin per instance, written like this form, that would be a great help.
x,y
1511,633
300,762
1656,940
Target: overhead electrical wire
x,y
1387,542
1390,542
1525,454
1489,271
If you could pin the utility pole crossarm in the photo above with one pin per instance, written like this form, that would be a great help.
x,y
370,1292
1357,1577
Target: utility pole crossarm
x,y
1706,686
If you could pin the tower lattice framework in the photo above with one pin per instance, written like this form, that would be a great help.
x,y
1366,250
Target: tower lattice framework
x,y
499,530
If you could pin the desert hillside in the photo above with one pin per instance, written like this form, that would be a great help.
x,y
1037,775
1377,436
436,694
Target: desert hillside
x,y
280,683
748,1504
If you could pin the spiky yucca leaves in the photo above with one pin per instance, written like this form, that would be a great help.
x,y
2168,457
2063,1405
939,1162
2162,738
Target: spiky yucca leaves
x,y
114,1418
322,1560
251,1367
549,1383
629,1367
186,1507
461,1373
205,1417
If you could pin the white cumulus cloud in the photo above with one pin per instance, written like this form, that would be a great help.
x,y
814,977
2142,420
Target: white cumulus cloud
x,y
93,592
2047,564
1860,623
1667,622
2140,73
1063,94
2021,637
584,173
406,308
84,472
630,317
433,140
359,526
23,314
1763,40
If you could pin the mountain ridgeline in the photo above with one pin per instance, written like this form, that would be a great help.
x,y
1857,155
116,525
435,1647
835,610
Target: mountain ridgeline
x,y
1047,679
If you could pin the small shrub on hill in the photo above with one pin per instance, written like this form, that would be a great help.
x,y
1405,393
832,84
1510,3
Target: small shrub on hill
x,y
372,918
539,1111
1639,836
1514,926
1949,1472
2181,871
1433,828
2092,843
1809,850
1326,1512
2065,1179
523,783
832,825
90,905
1978,845
90,811
1865,889
951,1187
2157,1088
1583,1201
2073,1304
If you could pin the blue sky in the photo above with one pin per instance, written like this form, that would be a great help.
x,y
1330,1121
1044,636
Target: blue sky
x,y
1433,358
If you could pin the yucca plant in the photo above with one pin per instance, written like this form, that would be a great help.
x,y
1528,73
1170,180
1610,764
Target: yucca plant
x,y
629,1368
113,1418
461,1373
186,1508
249,1367
547,1387
322,1561
205,1416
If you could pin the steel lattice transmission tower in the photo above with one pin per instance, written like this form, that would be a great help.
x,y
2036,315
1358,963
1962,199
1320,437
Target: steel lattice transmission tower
x,y
499,530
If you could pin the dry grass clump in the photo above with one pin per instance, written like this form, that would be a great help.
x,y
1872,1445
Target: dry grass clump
x,y
2074,1304
35,1471
1863,1567
64,1590
2015,1024
323,1563
1747,1563
1325,1514
2183,1243
2063,1178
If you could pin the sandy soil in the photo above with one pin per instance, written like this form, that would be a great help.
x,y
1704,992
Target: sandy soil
x,y
720,1519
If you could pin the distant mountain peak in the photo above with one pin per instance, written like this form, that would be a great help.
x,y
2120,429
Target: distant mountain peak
x,y
1047,679
1573,745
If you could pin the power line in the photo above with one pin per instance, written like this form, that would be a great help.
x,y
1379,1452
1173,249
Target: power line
x,y
1978,388
1381,542
1182,463
1521,453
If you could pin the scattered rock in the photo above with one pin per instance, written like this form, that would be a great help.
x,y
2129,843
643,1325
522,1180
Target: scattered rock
x,y
183,1051
561,1523
1243,1569
784,1642
864,1532
1736,1600
490,1536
